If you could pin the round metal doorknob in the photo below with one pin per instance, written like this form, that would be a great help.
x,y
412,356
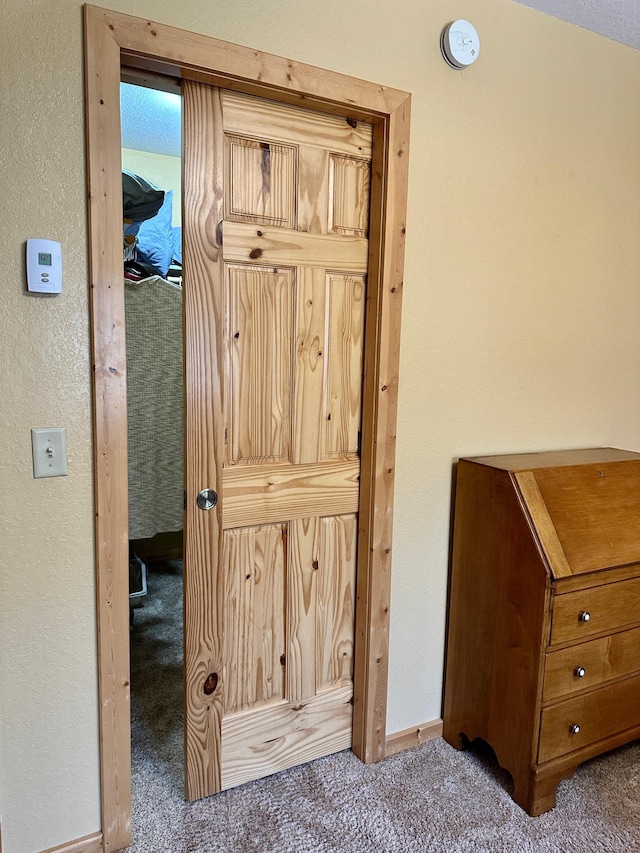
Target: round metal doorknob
x,y
207,499
580,672
574,728
584,616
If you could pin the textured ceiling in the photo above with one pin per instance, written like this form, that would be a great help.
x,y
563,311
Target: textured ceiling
x,y
151,120
616,19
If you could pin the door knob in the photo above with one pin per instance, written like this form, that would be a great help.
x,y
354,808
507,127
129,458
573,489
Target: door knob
x,y
207,499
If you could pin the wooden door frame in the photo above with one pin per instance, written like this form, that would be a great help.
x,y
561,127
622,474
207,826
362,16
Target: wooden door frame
x,y
113,39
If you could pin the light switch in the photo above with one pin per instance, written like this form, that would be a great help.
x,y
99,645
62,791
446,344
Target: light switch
x,y
49,452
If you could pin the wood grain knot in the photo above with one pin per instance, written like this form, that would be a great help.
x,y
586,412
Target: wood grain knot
x,y
352,122
210,684
255,253
283,659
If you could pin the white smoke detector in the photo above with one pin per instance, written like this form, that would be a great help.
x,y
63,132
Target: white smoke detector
x,y
460,44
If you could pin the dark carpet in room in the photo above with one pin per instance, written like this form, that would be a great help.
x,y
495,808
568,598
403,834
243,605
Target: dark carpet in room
x,y
428,799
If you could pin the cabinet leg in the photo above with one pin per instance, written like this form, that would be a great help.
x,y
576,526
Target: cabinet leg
x,y
536,793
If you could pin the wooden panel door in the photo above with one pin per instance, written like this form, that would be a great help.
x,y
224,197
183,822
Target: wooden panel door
x,y
276,212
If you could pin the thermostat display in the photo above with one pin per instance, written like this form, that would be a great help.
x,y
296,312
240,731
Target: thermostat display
x,y
44,266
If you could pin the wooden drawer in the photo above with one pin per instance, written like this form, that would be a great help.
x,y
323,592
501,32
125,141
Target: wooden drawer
x,y
610,607
601,660
604,712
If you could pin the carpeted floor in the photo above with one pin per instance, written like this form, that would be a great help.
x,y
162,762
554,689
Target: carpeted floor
x,y
429,799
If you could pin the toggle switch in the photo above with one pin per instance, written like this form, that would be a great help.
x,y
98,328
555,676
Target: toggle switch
x,y
49,452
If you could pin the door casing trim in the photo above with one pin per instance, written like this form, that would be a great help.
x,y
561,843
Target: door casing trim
x,y
113,39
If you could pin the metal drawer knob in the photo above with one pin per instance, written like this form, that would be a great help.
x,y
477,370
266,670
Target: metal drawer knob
x,y
584,616
580,672
574,728
207,499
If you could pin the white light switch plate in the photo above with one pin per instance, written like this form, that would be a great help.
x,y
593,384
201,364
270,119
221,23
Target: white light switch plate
x,y
49,452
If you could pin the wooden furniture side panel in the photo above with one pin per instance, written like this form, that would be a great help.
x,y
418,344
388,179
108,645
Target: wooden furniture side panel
x,y
499,600
595,511
610,607
602,660
601,714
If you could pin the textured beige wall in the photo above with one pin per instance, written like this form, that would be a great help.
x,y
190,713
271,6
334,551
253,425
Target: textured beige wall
x,y
520,326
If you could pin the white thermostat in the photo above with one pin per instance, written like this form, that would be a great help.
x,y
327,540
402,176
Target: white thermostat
x,y
460,44
44,266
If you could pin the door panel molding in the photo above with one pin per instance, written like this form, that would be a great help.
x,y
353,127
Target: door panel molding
x,y
111,40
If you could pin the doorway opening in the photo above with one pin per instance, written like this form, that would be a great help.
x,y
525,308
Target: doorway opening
x,y
151,133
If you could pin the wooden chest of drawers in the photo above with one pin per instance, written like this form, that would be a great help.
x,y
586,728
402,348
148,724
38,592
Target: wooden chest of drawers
x,y
543,650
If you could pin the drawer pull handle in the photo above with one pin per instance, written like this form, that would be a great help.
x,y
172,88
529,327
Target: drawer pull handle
x,y
584,616
580,672
574,728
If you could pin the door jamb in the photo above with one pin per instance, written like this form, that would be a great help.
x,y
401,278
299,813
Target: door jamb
x,y
112,39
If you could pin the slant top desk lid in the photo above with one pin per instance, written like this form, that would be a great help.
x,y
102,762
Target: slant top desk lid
x,y
584,505
555,458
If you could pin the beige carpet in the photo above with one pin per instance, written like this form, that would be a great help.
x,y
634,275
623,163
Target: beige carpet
x,y
429,799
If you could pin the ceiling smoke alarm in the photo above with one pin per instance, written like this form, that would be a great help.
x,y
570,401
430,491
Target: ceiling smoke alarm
x,y
460,44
